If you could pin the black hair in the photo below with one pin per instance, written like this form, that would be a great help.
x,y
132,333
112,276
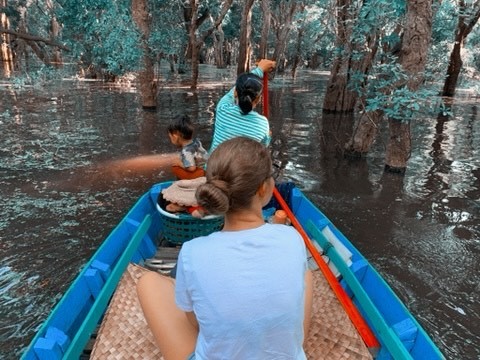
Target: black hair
x,y
183,125
249,86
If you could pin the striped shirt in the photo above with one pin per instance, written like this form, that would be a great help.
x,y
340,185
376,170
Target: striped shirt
x,y
231,123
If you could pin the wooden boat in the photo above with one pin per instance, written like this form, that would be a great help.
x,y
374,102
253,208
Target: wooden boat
x,y
70,325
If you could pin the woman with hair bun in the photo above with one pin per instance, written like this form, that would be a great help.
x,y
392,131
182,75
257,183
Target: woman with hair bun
x,y
235,114
240,293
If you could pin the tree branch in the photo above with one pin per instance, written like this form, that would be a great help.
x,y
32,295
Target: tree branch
x,y
29,37
226,6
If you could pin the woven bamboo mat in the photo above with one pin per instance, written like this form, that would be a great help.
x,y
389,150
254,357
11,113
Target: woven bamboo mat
x,y
124,333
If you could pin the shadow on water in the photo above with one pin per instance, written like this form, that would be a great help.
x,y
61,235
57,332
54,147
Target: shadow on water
x,y
74,157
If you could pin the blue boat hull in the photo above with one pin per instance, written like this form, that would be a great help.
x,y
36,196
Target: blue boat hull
x,y
69,326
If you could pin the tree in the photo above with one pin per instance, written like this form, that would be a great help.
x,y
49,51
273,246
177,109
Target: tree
x,y
6,54
357,44
282,18
20,38
245,30
467,18
263,49
198,40
102,35
148,86
413,58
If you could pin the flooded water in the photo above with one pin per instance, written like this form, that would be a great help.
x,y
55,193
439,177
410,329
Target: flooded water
x,y
63,189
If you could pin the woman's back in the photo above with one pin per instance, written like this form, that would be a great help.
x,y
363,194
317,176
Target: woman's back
x,y
246,293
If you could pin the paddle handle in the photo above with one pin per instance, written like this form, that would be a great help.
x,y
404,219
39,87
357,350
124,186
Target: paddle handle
x,y
265,95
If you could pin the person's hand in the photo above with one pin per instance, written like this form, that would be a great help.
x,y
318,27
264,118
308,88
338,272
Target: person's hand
x,y
267,65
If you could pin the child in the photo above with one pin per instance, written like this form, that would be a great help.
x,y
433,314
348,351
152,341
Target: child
x,y
240,293
192,156
188,169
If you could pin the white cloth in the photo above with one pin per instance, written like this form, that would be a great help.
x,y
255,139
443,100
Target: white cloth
x,y
246,289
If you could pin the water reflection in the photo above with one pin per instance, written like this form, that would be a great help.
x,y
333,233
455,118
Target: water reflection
x,y
66,181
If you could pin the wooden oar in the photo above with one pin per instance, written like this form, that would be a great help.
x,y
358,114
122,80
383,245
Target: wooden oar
x,y
358,321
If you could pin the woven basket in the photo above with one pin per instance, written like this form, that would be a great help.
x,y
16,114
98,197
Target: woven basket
x,y
178,228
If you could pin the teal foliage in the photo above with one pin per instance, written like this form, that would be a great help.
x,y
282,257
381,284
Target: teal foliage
x,y
168,36
388,92
101,33
474,43
318,33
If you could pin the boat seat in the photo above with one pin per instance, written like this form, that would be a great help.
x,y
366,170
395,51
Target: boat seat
x,y
124,330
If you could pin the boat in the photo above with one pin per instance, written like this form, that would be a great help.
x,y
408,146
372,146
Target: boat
x,y
70,325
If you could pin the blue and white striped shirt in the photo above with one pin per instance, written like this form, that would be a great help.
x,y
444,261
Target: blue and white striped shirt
x,y
231,123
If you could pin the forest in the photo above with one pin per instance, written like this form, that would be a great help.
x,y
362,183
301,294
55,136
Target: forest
x,y
389,61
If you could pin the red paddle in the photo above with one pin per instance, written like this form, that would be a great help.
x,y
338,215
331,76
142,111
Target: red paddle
x,y
351,310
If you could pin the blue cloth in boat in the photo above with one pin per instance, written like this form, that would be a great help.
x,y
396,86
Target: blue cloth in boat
x,y
230,122
246,289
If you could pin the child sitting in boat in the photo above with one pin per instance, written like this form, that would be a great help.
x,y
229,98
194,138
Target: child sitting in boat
x,y
180,196
240,293
192,156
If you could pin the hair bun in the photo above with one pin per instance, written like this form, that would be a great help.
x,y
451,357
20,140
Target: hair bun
x,y
214,196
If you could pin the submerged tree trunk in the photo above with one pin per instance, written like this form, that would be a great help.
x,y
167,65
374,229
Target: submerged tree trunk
x,y
148,85
413,57
364,134
464,27
243,64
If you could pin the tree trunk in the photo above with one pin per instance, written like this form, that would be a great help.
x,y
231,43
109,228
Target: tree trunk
x,y
413,57
464,27
364,134
148,85
196,43
263,50
454,66
243,64
194,48
399,147
56,58
6,55
219,41
283,20
297,58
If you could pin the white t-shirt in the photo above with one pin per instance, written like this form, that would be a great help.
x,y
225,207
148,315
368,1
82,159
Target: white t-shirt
x,y
246,289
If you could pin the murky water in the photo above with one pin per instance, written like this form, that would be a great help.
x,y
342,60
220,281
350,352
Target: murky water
x,y
61,194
